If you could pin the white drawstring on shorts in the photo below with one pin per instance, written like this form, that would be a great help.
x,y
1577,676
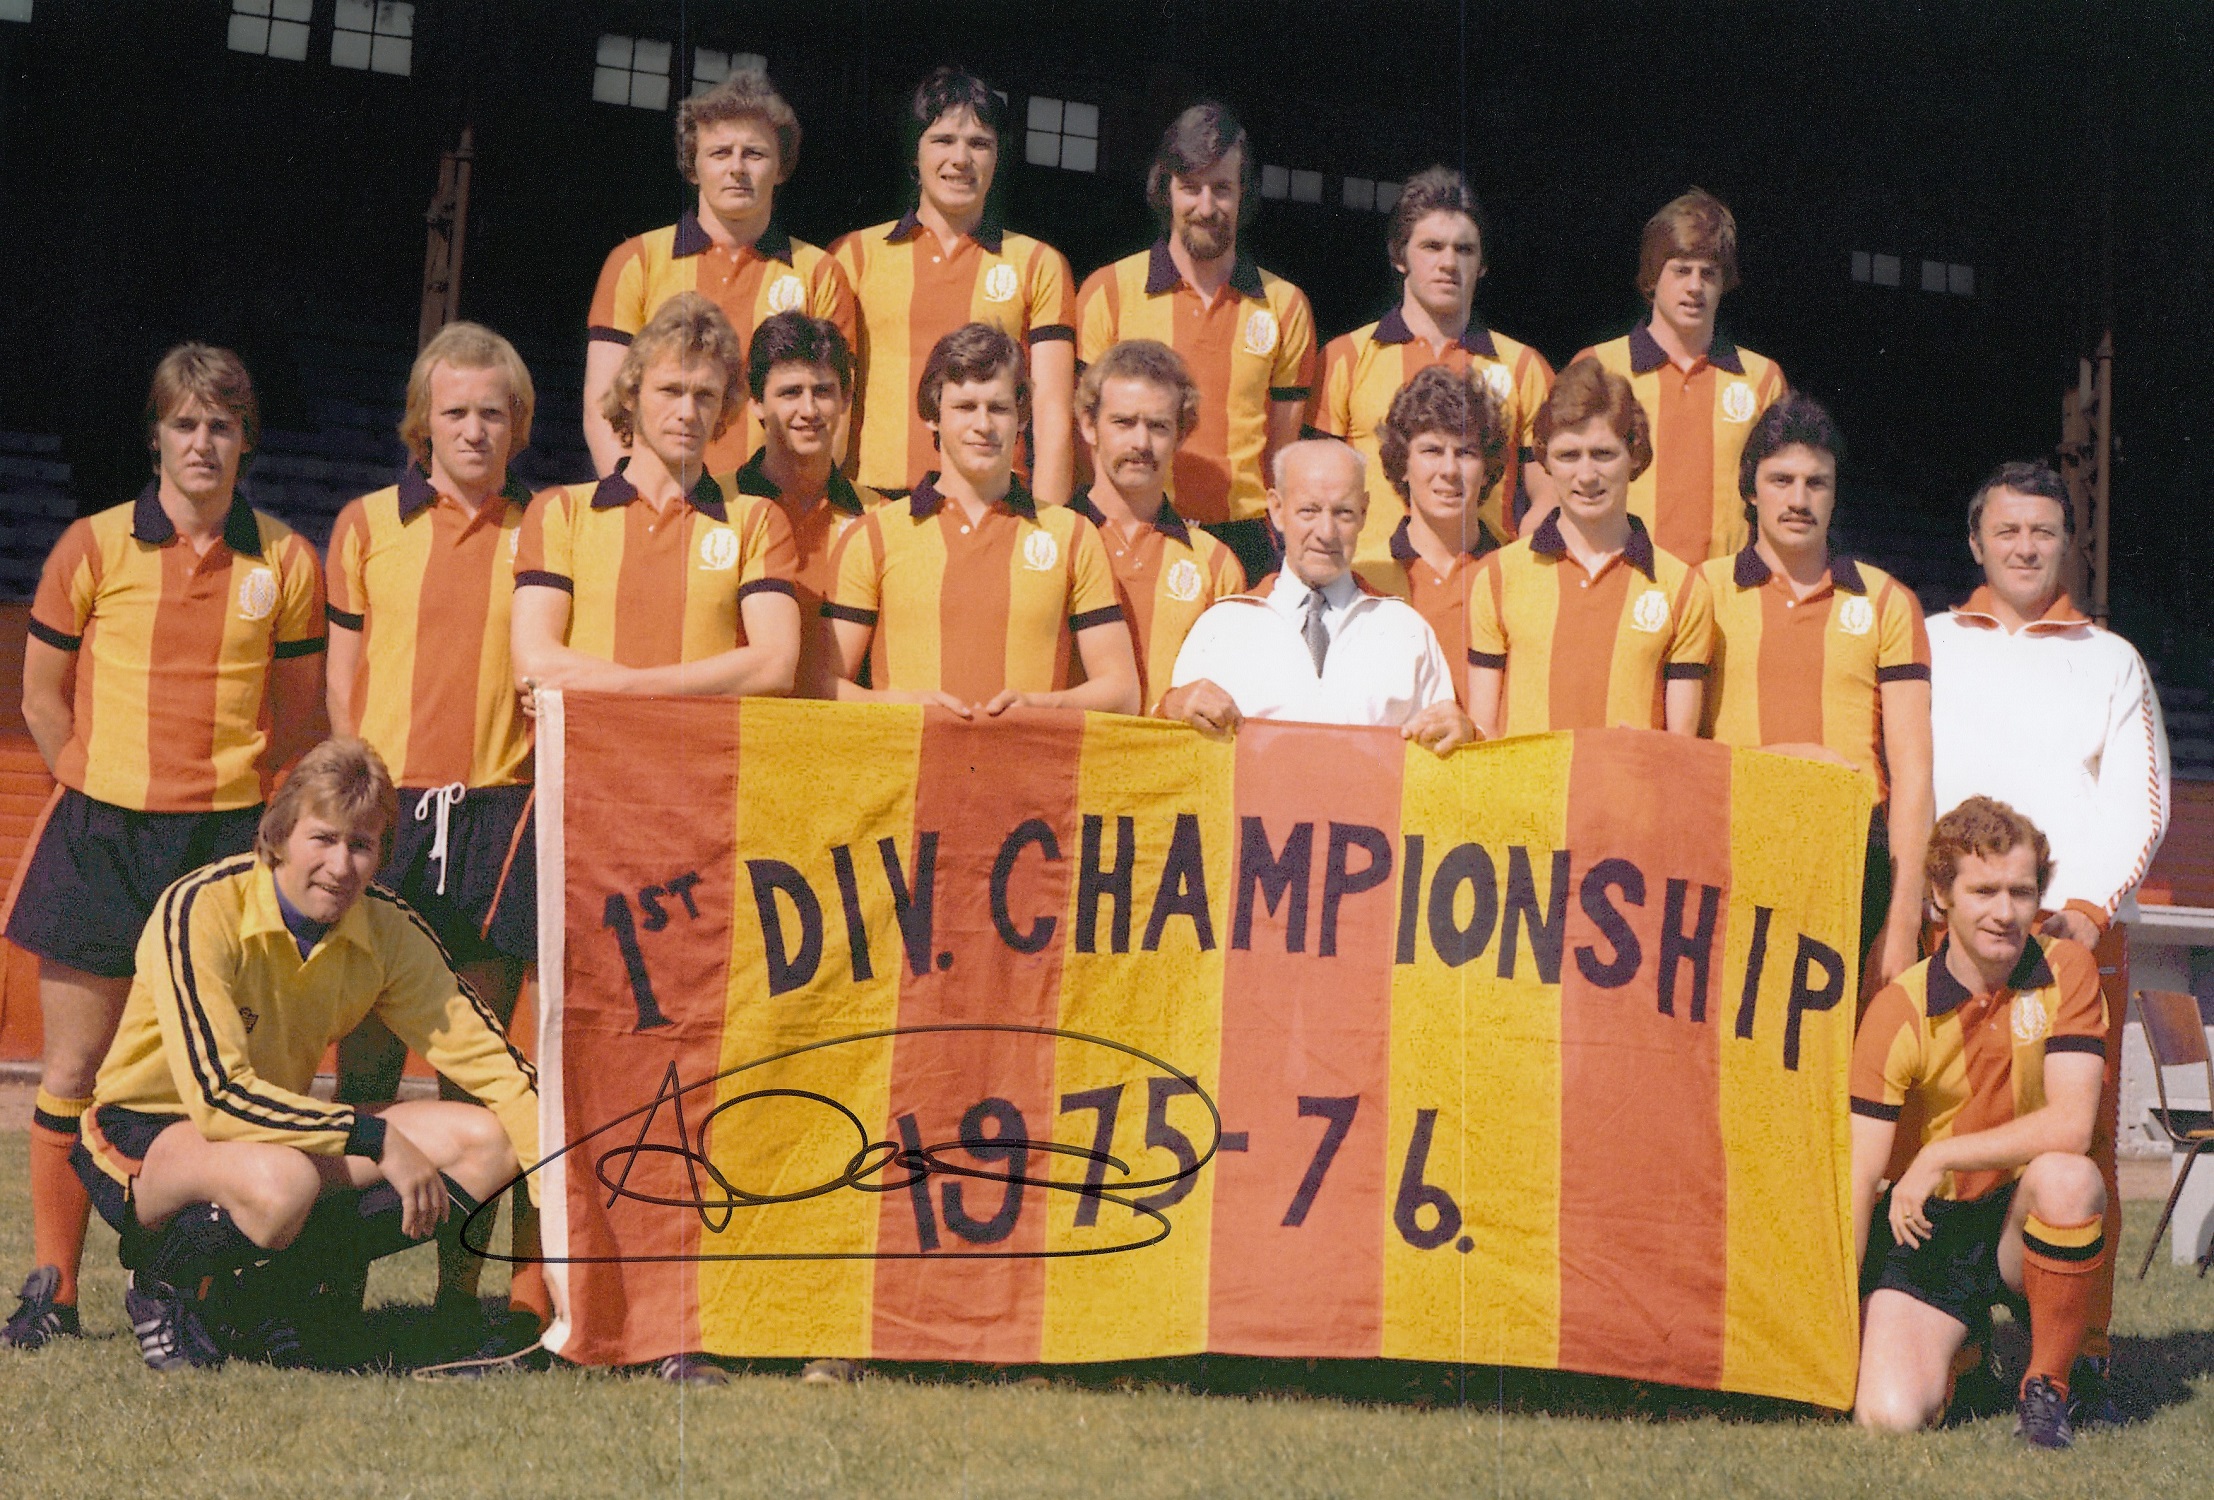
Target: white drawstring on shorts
x,y
438,802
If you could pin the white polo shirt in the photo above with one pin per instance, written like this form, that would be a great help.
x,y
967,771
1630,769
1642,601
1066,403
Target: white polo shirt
x,y
1383,667
2059,721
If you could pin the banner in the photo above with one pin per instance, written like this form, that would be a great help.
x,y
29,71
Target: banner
x,y
870,1032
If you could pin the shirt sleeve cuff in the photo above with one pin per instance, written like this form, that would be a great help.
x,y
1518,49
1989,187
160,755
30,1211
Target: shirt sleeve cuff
x,y
366,1136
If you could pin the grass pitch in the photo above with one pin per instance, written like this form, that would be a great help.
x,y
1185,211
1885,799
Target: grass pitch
x,y
86,1419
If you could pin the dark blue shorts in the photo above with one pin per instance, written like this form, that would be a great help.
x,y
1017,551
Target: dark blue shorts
x,y
489,908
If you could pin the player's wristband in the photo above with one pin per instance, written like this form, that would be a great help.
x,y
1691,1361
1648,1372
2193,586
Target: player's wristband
x,y
366,1137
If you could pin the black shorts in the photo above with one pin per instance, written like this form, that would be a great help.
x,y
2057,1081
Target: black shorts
x,y
98,869
115,1140
489,907
1255,542
1875,883
1955,1270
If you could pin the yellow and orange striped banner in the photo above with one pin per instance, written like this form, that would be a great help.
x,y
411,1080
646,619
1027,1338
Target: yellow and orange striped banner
x,y
870,1032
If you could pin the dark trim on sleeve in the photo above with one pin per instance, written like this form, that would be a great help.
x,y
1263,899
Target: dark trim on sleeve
x,y
849,614
1111,615
768,586
366,1137
533,578
1287,393
341,619
597,334
1913,671
1052,333
1497,661
286,650
2090,1045
1308,432
1875,1111
55,638
1681,671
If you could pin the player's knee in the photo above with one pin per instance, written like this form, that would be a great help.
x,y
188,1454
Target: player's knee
x,y
1894,1409
271,1196
484,1157
2065,1187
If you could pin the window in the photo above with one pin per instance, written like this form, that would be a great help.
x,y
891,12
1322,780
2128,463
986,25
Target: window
x,y
270,28
1062,133
1275,182
710,67
1933,276
377,35
1290,182
1369,195
632,71
15,10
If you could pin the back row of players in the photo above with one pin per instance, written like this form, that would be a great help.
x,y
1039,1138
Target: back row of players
x,y
192,625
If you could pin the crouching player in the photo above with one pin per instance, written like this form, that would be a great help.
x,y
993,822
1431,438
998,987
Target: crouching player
x,y
1991,1052
203,1147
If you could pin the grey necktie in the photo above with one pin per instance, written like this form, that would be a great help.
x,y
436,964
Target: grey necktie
x,y
1316,633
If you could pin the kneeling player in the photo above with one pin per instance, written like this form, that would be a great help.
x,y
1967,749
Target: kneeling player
x,y
1993,1050
203,1147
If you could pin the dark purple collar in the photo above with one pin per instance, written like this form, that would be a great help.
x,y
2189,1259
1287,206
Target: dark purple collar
x,y
418,495
1751,570
1646,354
924,501
1547,541
151,524
988,231
692,239
754,479
1403,548
1943,994
617,490
1161,274
1392,328
1165,520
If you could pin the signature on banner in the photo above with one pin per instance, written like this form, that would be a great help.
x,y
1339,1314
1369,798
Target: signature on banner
x,y
993,1134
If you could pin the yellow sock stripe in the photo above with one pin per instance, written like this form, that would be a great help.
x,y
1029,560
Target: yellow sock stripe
x,y
2064,1242
60,1109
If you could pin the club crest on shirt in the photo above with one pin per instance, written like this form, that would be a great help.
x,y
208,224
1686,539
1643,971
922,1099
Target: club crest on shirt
x,y
257,594
785,294
1498,380
1650,613
999,283
1183,580
2030,1020
1260,332
1856,616
718,549
1040,551
1737,401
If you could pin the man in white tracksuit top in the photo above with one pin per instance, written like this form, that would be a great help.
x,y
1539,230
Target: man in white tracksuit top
x,y
2033,704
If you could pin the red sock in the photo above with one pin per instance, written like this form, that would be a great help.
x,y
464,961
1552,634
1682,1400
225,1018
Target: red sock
x,y
59,1207
2060,1264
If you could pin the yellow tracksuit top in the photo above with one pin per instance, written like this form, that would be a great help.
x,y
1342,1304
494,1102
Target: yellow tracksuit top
x,y
226,1024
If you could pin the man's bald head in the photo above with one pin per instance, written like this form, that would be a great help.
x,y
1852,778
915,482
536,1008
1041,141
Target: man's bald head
x,y
1318,503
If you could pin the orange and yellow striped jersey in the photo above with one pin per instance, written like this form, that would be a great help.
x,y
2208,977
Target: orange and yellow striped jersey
x,y
970,609
1363,370
226,1023
1166,576
429,584
774,274
649,589
912,293
1942,1062
173,651
815,539
1254,344
1788,670
1587,650
1440,598
1688,495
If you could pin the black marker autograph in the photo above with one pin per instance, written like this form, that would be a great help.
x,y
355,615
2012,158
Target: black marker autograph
x,y
920,1161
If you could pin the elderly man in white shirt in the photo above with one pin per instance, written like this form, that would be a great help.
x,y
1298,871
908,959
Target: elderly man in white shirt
x,y
1316,646
2034,705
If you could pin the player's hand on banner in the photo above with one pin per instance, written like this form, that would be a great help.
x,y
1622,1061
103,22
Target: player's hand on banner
x,y
1204,706
423,1200
2074,926
1007,698
1441,728
949,703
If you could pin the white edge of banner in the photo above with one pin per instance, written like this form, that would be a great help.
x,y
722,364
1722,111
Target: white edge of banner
x,y
553,1194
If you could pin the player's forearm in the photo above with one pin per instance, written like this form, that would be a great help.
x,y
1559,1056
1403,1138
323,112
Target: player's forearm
x,y
1872,1140
2052,1128
1055,457
1907,821
51,721
1104,695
